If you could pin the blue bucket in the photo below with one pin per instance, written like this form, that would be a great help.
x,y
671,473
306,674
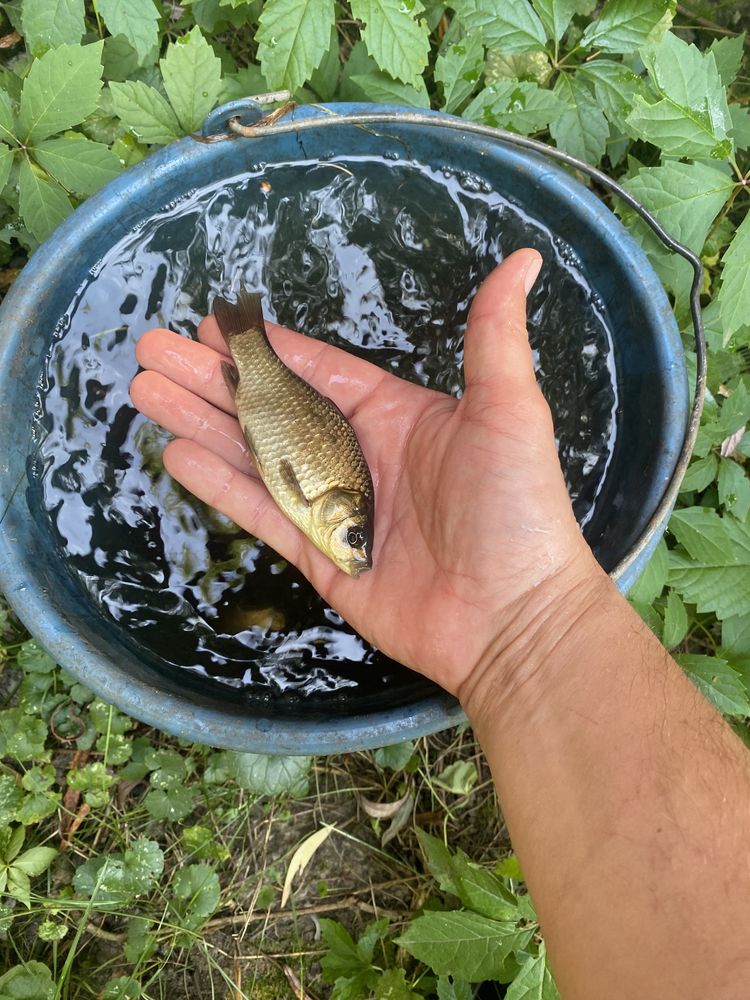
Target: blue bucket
x,y
655,435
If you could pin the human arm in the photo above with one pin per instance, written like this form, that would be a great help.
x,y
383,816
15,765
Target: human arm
x,y
482,581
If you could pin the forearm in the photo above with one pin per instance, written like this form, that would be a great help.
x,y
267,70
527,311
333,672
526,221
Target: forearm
x,y
628,801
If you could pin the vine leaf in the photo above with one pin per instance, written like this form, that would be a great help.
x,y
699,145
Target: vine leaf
x,y
192,78
395,39
61,89
293,36
136,20
626,25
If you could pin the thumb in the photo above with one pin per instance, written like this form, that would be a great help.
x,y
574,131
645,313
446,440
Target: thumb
x,y
496,345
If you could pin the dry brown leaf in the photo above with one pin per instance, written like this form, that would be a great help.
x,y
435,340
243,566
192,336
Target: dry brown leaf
x,y
8,41
383,810
729,444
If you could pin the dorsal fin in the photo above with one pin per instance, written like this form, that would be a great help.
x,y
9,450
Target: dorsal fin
x,y
242,316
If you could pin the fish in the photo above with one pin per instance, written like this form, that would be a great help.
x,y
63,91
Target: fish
x,y
305,450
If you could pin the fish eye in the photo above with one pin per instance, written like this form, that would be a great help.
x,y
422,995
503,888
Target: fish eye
x,y
355,537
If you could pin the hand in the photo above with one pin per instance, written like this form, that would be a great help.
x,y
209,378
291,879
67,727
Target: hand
x,y
474,532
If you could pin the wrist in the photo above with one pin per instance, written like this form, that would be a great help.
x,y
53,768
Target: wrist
x,y
541,632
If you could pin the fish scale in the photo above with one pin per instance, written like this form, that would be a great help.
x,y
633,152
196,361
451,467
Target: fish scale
x,y
306,451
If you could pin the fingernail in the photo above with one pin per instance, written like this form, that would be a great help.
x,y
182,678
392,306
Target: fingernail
x,y
532,273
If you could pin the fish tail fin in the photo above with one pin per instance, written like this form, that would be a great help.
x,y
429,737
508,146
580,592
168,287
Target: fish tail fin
x,y
242,316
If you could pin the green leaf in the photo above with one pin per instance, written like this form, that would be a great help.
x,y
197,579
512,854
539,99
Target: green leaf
x,y
728,54
522,107
121,988
33,659
6,162
19,886
740,131
464,944
7,118
719,682
582,130
49,23
382,88
734,488
192,78
144,861
685,198
458,778
391,985
713,570
22,737
61,89
145,112
458,68
264,775
534,981
43,204
30,981
397,42
345,962
700,474
136,20
117,878
78,164
511,25
11,842
36,860
675,621
245,83
626,25
172,804
141,942
49,930
293,37
439,861
202,843
396,756
449,988
532,66
735,636
482,891
734,294
325,79
652,580
196,890
555,15
615,88
735,410
11,797
691,119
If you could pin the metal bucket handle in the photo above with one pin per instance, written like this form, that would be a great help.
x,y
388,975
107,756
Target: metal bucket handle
x,y
247,118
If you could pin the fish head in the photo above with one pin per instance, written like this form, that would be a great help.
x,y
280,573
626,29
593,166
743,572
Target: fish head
x,y
342,524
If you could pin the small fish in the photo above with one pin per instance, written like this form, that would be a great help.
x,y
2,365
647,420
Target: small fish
x,y
306,452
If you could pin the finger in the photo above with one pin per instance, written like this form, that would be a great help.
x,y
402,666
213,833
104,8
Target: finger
x,y
193,366
186,415
496,342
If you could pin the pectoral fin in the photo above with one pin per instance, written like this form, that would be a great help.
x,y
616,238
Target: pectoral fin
x,y
290,480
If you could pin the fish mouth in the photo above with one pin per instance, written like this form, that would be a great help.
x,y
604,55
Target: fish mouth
x,y
360,562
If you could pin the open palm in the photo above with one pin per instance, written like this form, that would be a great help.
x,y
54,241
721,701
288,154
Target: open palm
x,y
471,511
